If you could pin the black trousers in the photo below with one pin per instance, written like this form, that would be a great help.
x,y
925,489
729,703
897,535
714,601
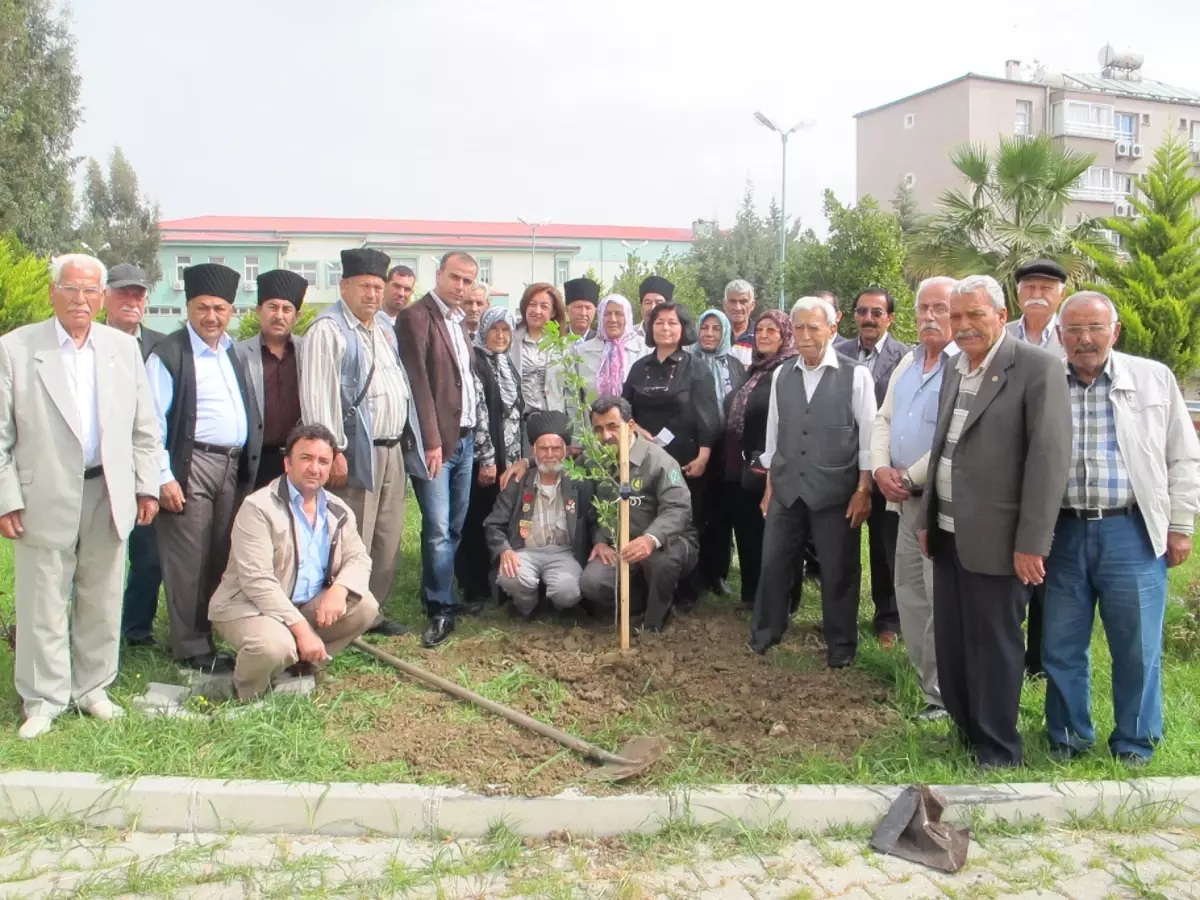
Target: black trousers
x,y
141,588
1033,628
716,538
270,466
746,520
472,561
692,584
882,526
787,530
652,583
980,654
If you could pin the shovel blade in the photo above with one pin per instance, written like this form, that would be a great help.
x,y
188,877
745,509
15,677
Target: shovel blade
x,y
642,753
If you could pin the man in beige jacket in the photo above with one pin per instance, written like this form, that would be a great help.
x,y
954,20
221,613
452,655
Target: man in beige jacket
x,y
900,442
296,589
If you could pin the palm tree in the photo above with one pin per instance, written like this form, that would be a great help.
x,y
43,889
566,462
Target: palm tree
x,y
1011,211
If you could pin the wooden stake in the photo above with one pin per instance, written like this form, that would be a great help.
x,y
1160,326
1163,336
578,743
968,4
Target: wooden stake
x,y
623,536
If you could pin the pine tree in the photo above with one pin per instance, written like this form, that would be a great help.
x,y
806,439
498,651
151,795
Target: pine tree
x,y
1154,277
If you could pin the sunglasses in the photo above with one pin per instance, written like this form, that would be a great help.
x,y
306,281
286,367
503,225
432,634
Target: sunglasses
x,y
874,313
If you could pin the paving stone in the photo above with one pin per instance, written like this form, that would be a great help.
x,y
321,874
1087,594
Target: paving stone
x,y
1096,883
293,684
916,886
838,879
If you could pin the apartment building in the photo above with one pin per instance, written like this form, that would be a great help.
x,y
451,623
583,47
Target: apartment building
x,y
510,256
1117,115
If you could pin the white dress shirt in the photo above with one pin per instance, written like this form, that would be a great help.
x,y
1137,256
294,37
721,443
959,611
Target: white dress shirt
x,y
862,404
80,363
462,356
220,410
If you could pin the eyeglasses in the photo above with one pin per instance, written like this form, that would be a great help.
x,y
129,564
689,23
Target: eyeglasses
x,y
1081,330
873,312
74,290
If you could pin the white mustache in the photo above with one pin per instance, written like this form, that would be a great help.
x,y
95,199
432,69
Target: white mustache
x,y
968,333
931,326
1037,302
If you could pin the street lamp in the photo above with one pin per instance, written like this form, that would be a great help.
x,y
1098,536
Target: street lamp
x,y
783,136
632,248
533,227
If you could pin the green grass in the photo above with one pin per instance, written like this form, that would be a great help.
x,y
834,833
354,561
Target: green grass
x,y
287,737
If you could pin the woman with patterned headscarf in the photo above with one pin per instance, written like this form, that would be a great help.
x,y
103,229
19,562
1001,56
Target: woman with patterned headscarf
x,y
605,360
746,437
497,446
716,539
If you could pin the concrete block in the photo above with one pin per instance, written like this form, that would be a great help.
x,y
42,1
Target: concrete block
x,y
73,795
292,684
395,810
164,804
258,807
464,814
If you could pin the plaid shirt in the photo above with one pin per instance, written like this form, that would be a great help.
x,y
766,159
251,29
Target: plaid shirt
x,y
1099,478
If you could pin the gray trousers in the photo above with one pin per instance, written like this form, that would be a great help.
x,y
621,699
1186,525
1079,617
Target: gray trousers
x,y
380,515
194,548
556,566
914,600
67,649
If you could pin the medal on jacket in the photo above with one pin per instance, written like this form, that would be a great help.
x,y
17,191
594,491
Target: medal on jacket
x,y
525,528
570,506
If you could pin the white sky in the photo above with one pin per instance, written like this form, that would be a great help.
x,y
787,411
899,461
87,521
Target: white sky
x,y
616,112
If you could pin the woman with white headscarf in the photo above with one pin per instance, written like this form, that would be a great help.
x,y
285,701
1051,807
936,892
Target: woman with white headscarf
x,y
605,360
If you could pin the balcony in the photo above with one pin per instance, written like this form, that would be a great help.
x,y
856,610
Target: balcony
x,y
1092,194
1073,118
1086,130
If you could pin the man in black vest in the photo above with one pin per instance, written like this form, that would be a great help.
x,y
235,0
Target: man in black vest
x,y
213,437
124,306
819,482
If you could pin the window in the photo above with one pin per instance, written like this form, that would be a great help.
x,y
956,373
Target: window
x,y
1023,122
910,120
410,261
562,271
1075,117
250,272
1126,124
217,260
1145,120
307,270
1097,178
485,269
1195,142
333,274
181,263
1124,184
164,311
910,179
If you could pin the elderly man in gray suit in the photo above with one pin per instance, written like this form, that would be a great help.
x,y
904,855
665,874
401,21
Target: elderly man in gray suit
x,y
1041,286
874,313
79,455
998,466
273,359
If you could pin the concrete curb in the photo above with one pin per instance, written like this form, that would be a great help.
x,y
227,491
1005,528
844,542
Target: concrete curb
x,y
185,805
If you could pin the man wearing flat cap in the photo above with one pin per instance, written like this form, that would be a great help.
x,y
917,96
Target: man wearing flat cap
x,y
538,530
1041,286
213,437
654,291
272,357
354,384
124,307
582,296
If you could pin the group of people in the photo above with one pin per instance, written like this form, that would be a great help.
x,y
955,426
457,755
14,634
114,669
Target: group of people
x,y
263,482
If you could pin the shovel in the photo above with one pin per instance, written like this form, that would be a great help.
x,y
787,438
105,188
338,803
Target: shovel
x,y
913,829
635,757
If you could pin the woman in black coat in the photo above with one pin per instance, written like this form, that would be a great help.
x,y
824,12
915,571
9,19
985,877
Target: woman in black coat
x,y
745,439
497,446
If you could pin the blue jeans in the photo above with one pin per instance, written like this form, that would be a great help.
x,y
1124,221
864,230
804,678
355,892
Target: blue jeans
x,y
1109,562
141,588
443,501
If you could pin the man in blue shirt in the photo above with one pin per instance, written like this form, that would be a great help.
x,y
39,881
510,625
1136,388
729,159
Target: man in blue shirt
x,y
900,443
297,587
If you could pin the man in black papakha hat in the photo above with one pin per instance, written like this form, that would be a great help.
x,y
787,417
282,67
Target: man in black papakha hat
x,y
213,437
582,296
353,383
538,530
654,291
273,359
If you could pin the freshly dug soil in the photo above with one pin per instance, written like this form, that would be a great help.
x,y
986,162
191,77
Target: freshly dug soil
x,y
721,708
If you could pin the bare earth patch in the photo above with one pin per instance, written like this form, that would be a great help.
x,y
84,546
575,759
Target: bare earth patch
x,y
697,685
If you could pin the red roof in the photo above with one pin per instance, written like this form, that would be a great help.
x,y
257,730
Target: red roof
x,y
220,237
414,227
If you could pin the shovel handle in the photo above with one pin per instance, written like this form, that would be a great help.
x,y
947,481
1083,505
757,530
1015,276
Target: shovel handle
x,y
591,751
623,534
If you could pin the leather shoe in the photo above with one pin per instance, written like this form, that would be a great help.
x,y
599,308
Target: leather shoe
x,y
214,663
1133,760
147,641
1064,752
388,628
932,713
840,662
720,588
887,639
440,628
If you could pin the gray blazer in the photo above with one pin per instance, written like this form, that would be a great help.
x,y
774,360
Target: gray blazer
x,y
1053,345
1011,461
882,366
250,352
